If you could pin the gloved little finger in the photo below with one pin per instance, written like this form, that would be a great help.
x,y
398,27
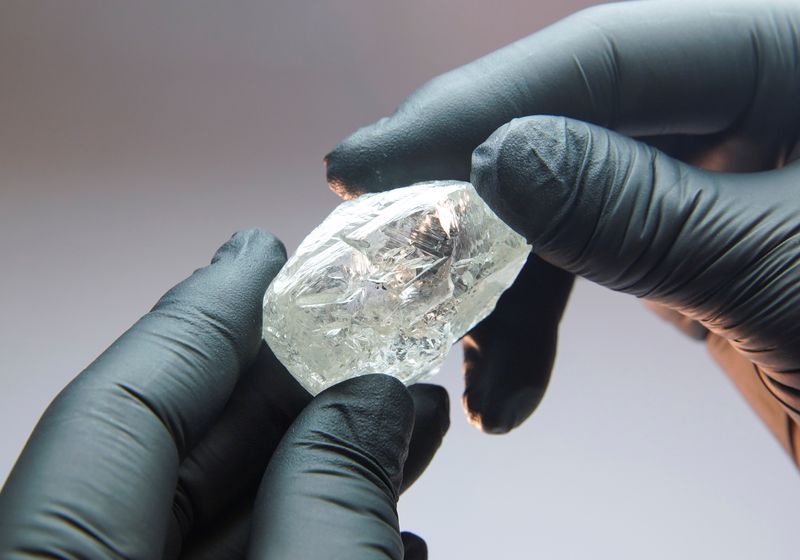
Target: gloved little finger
x,y
414,547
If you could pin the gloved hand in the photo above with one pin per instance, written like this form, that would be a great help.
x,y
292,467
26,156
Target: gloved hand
x,y
158,448
648,93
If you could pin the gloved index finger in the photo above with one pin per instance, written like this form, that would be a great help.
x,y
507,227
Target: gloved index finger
x,y
641,68
97,477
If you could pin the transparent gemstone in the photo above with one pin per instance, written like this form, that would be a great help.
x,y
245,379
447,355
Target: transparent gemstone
x,y
388,282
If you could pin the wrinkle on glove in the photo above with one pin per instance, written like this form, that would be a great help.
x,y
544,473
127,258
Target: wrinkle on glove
x,y
337,474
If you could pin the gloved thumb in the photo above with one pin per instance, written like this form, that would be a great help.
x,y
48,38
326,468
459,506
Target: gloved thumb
x,y
600,204
331,488
715,246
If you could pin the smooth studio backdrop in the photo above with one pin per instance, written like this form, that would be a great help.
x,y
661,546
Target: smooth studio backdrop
x,y
135,137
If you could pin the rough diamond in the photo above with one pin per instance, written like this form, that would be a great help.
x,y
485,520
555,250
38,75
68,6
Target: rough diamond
x,y
388,282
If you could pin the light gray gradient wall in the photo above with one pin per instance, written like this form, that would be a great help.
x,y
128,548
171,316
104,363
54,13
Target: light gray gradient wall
x,y
135,137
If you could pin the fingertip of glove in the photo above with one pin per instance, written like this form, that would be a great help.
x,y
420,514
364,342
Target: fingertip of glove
x,y
374,389
499,414
251,242
432,401
414,546
486,421
374,413
527,169
345,172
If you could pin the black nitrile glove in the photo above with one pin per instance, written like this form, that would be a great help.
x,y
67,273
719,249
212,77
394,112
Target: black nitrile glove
x,y
158,448
715,84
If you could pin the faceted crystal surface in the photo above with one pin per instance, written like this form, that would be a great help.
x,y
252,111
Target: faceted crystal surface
x,y
388,282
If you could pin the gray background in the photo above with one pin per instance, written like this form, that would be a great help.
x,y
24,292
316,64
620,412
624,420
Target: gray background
x,y
135,137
